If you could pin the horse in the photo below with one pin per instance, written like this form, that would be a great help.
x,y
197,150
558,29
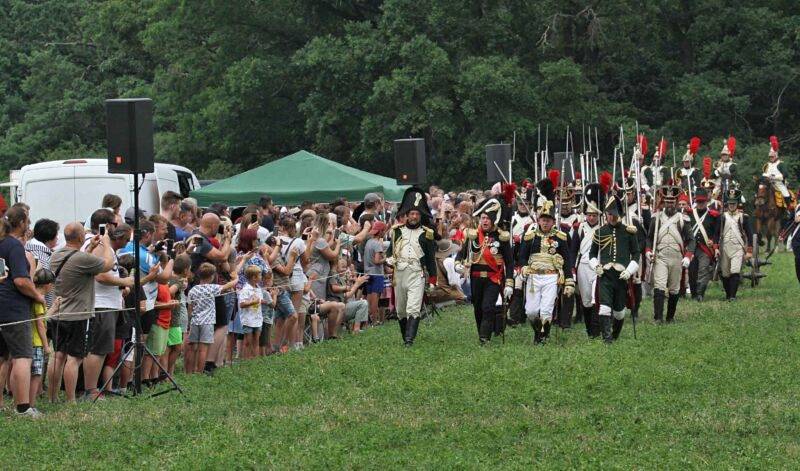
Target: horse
x,y
768,216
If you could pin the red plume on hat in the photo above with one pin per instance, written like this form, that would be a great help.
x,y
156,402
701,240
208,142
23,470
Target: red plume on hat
x,y
641,139
554,176
662,148
706,167
578,175
694,145
509,192
732,145
773,142
605,181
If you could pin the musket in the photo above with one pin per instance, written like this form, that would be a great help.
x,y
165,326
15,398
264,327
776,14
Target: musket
x,y
571,165
597,154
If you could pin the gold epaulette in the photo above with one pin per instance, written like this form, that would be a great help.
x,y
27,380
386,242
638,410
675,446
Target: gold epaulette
x,y
471,234
398,226
631,229
530,234
504,236
561,235
428,232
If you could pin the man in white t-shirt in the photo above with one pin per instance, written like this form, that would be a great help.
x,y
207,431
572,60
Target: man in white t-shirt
x,y
108,292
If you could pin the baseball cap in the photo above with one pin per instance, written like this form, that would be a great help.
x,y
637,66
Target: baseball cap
x,y
371,198
377,227
130,212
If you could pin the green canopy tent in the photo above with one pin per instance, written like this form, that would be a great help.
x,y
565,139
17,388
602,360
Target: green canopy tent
x,y
299,177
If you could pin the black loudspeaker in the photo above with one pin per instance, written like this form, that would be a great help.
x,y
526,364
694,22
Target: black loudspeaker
x,y
499,154
409,161
129,132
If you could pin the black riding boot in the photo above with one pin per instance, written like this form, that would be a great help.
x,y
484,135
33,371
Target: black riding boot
x,y
733,283
546,333
605,322
658,305
537,330
403,327
616,327
486,327
672,305
517,308
726,285
411,333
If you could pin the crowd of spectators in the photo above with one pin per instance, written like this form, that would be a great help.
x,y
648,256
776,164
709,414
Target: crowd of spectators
x,y
218,284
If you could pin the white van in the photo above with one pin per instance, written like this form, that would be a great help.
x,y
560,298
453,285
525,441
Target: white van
x,y
70,190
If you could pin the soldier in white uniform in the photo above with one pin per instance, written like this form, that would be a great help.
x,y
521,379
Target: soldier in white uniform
x,y
776,172
689,175
670,248
734,244
582,238
725,171
412,252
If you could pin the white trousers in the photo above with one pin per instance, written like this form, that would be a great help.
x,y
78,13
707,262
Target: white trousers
x,y
409,286
540,296
586,284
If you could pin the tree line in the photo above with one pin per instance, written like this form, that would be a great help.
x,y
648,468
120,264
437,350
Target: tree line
x,y
237,83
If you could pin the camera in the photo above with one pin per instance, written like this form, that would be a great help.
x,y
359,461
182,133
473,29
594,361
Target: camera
x,y
272,241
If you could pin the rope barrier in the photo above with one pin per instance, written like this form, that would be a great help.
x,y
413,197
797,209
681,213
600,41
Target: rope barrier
x,y
68,315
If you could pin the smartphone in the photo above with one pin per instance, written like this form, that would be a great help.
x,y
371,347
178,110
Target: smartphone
x,y
102,229
221,229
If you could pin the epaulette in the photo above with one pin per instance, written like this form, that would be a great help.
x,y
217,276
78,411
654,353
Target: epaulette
x,y
686,218
631,229
398,226
561,235
428,232
471,234
529,234
504,236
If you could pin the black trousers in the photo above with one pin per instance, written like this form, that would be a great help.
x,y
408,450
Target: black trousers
x,y
484,303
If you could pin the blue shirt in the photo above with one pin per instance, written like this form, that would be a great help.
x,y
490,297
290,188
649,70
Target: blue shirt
x,y
16,306
146,263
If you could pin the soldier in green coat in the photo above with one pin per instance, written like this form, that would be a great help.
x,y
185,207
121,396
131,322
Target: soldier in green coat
x,y
615,250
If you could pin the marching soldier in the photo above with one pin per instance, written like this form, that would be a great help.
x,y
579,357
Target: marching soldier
x,y
569,221
776,172
520,222
487,255
640,219
704,226
689,176
613,257
725,171
544,259
670,248
657,174
734,243
412,249
582,239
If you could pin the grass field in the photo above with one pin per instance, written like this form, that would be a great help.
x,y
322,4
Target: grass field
x,y
717,389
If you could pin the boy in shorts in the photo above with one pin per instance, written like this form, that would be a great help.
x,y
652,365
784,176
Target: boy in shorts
x,y
181,275
159,331
43,279
202,313
250,300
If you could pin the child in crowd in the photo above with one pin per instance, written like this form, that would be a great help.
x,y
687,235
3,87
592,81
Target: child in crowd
x,y
202,313
159,333
181,276
374,258
270,297
44,280
250,300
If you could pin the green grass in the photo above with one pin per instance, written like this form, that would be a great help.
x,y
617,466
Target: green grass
x,y
717,389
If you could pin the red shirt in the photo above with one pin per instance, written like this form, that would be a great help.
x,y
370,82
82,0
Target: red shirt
x,y
163,316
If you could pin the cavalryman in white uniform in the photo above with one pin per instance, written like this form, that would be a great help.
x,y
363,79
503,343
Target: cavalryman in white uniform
x,y
412,252
775,171
670,248
734,243
689,175
725,170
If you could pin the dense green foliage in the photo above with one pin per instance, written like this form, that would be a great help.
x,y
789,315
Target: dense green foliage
x,y
239,82
717,389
